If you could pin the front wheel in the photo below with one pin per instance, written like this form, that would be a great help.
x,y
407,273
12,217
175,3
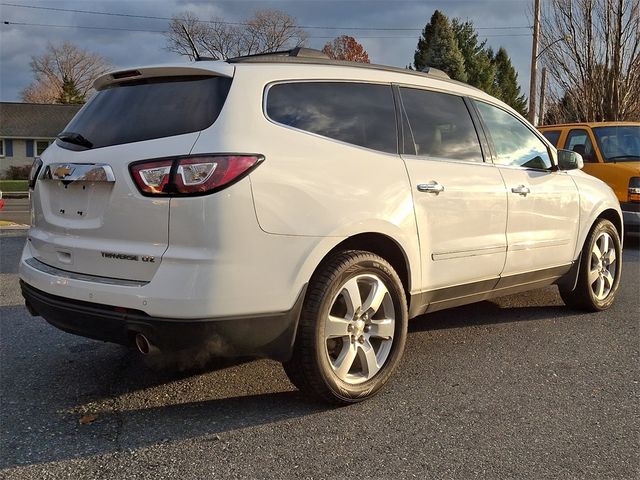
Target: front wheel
x,y
352,329
600,270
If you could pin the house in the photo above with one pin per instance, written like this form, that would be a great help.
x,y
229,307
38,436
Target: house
x,y
27,129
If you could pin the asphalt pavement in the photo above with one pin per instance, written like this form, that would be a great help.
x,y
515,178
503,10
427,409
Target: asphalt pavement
x,y
520,387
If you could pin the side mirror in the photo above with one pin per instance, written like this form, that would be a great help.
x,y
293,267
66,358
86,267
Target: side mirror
x,y
568,160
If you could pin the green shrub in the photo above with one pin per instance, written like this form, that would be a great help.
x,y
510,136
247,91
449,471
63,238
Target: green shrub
x,y
18,173
14,185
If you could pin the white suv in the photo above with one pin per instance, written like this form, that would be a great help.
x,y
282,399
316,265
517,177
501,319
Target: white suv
x,y
292,207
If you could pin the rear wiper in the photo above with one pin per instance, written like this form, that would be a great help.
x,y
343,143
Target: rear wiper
x,y
75,138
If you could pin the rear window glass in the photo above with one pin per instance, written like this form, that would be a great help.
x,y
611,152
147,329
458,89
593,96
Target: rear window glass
x,y
357,113
153,108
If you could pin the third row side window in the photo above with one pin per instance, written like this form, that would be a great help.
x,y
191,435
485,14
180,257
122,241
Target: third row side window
x,y
357,113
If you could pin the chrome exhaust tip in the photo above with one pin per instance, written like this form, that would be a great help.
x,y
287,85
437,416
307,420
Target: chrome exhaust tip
x,y
144,346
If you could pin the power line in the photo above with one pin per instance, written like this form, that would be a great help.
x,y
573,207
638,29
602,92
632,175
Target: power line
x,y
310,27
87,27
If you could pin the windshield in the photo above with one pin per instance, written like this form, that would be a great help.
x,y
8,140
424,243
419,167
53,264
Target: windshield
x,y
620,143
147,109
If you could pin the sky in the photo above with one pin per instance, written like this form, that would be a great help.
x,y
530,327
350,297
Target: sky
x,y
498,21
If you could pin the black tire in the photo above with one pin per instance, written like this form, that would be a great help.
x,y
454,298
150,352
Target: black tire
x,y
310,368
583,296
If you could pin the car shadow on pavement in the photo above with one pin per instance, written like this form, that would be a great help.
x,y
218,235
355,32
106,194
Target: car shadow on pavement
x,y
53,382
486,313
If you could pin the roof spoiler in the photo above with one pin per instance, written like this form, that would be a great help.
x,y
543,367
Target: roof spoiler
x,y
218,68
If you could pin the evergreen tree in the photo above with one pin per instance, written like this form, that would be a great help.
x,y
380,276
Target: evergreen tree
x,y
438,48
480,70
70,94
505,85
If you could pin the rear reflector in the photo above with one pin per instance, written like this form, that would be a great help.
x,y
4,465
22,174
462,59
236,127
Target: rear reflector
x,y
634,190
193,175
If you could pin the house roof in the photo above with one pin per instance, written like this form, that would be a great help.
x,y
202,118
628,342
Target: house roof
x,y
34,120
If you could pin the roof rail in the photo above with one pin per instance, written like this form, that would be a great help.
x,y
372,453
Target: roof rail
x,y
311,56
298,52
436,72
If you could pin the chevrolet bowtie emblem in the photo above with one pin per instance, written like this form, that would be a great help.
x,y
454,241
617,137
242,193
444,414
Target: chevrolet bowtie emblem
x,y
63,171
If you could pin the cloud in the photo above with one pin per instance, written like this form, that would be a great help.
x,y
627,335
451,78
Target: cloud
x,y
19,43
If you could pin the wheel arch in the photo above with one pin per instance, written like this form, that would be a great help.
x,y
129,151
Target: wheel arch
x,y
381,245
614,217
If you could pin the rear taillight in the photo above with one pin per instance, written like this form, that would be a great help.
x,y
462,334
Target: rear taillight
x,y
193,175
634,189
33,173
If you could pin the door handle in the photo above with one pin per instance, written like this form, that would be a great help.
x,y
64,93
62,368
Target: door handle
x,y
521,190
431,187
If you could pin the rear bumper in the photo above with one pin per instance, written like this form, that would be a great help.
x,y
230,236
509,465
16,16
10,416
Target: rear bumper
x,y
268,335
631,214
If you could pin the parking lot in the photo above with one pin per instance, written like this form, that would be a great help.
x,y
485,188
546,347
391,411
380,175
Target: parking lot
x,y
520,387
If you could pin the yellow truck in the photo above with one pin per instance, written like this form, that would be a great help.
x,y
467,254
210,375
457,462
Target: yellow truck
x,y
611,152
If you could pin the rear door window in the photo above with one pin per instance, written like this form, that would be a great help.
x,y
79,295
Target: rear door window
x,y
147,109
357,113
439,126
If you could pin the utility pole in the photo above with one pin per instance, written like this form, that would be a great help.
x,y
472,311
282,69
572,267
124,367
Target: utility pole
x,y
534,62
543,88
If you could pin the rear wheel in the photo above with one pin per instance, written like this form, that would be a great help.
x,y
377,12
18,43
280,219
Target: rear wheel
x,y
352,329
600,269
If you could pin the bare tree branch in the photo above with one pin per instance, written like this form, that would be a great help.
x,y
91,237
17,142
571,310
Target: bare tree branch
x,y
266,31
63,62
595,70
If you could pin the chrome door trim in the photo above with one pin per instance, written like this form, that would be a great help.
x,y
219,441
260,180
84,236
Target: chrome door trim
x,y
539,244
57,272
469,253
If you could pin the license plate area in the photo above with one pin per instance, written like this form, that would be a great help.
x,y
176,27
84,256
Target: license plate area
x,y
75,204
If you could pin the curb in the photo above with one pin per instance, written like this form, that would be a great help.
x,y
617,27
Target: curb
x,y
16,230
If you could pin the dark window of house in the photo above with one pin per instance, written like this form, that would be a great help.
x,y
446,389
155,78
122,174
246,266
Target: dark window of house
x,y
41,146
440,126
514,142
357,113
553,136
151,108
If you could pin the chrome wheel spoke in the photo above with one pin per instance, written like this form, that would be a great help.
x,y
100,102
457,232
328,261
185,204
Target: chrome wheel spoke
x,y
345,360
599,288
352,298
596,251
609,257
368,359
382,328
593,276
375,298
608,279
336,327
605,244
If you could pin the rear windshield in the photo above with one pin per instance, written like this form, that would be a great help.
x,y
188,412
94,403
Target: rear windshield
x,y
147,109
